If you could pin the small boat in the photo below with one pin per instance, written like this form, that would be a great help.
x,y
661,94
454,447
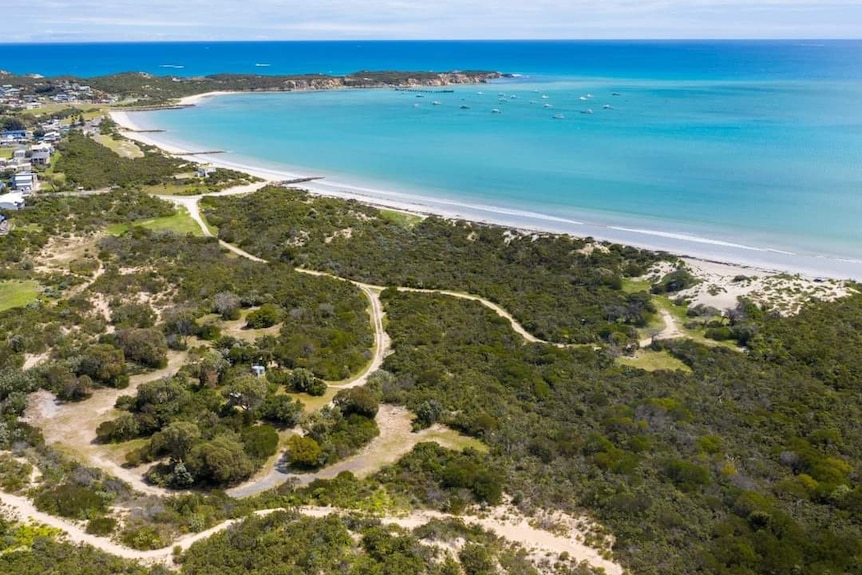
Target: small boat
x,y
589,95
420,96
544,97
435,103
587,111
548,106
496,111
415,105
465,107
607,107
513,97
501,94
262,65
480,93
583,98
559,117
615,94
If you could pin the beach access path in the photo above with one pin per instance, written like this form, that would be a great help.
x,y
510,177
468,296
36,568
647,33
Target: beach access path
x,y
505,521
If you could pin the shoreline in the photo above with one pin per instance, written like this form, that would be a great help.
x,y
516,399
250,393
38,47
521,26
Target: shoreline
x,y
717,257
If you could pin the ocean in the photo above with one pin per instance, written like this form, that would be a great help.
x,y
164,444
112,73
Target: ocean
x,y
740,151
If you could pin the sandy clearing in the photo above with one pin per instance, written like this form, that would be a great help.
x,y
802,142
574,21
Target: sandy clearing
x,y
723,284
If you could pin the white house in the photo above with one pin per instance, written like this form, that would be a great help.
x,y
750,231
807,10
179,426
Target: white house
x,y
25,182
19,155
12,201
205,171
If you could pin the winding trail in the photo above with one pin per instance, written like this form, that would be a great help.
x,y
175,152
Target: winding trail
x,y
395,440
505,522
370,290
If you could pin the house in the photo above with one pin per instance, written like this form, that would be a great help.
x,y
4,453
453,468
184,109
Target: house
x,y
205,171
12,201
19,156
25,182
40,154
14,135
258,370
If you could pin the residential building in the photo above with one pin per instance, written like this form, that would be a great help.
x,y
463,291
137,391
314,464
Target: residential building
x,y
12,201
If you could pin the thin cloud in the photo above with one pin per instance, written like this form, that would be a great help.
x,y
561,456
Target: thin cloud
x,y
395,19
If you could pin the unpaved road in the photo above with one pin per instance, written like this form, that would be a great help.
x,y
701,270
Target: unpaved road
x,y
503,521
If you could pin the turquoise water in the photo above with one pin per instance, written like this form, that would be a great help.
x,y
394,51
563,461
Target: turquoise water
x,y
770,165
740,151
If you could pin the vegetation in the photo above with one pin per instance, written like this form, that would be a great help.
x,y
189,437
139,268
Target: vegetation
x,y
557,289
653,455
741,463
294,544
87,163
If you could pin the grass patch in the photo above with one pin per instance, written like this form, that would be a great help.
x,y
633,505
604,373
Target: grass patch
x,y
312,403
124,148
6,153
180,223
403,219
16,293
451,439
654,361
635,285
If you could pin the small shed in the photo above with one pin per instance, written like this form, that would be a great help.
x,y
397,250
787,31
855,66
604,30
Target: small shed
x,y
258,370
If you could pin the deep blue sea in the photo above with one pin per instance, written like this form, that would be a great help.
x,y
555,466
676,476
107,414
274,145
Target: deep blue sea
x,y
743,151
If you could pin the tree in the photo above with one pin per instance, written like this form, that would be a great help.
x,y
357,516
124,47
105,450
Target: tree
x,y
104,363
267,316
221,461
247,392
303,381
146,346
227,305
281,410
177,439
359,400
211,366
304,451
260,441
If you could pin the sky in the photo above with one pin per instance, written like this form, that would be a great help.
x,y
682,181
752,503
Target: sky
x,y
155,20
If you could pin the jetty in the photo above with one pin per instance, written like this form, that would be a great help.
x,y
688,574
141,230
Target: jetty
x,y
205,153
298,181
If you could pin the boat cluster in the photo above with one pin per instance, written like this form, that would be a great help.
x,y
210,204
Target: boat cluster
x,y
503,98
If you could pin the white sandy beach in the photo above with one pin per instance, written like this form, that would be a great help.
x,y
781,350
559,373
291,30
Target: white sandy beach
x,y
718,263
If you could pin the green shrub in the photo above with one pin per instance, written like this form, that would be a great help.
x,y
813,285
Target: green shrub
x,y
267,316
69,500
260,441
101,525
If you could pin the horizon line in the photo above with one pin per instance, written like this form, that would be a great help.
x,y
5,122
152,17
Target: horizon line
x,y
341,40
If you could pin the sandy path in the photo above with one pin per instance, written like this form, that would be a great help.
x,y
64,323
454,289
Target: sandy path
x,y
504,521
516,326
396,439
73,425
671,329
